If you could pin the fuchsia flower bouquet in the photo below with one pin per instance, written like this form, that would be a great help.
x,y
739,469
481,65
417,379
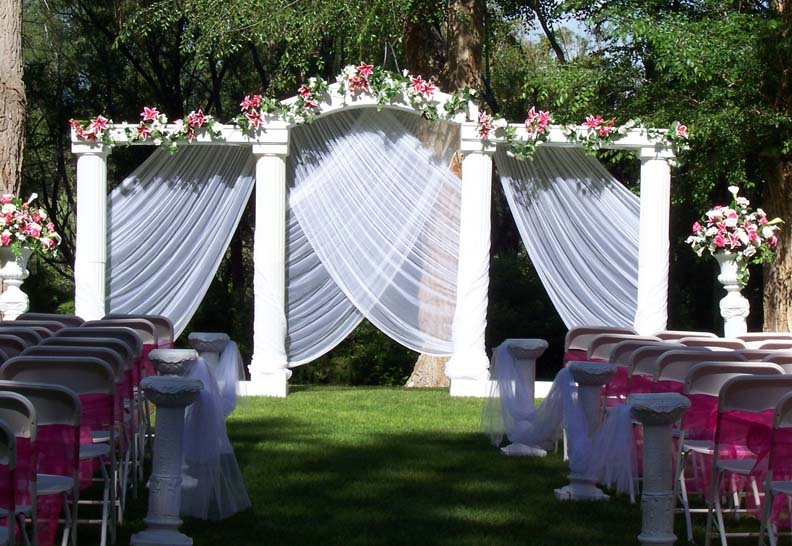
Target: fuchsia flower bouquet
x,y
736,230
23,226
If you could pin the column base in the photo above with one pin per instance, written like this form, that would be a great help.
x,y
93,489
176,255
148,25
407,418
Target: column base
x,y
472,388
580,489
274,385
160,537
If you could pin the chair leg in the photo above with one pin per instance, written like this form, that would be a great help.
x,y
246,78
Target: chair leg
x,y
713,505
767,507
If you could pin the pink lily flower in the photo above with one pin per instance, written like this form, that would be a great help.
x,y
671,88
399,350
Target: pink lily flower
x,y
365,70
149,114
99,123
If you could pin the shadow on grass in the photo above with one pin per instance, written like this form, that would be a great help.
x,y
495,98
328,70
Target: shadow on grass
x,y
407,488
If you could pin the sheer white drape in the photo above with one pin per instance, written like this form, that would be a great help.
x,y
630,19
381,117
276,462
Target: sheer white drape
x,y
373,232
169,224
580,227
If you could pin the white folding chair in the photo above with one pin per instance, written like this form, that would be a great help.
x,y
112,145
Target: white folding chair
x,y
778,480
88,377
12,345
776,345
754,340
601,346
18,413
718,344
642,364
165,334
703,383
31,336
8,463
51,326
674,335
68,320
750,395
57,412
578,339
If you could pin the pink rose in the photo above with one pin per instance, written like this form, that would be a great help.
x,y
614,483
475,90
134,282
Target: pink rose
x,y
5,239
696,227
50,226
6,198
682,131
772,241
719,241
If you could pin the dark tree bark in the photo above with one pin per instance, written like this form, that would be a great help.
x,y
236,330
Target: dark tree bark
x,y
12,96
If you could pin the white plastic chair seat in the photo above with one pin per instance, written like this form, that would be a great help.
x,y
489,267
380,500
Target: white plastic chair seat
x,y
51,484
698,446
737,466
100,436
92,451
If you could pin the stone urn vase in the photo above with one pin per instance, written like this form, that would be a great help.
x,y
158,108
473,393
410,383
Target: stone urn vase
x,y
734,307
13,272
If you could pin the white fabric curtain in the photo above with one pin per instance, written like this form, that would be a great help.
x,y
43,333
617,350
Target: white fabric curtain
x,y
373,232
580,228
168,226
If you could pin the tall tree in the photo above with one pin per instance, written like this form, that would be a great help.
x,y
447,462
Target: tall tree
x,y
12,96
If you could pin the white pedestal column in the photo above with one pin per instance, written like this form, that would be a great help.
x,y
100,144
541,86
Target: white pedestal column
x,y
171,395
468,368
525,352
269,373
657,412
91,243
590,377
734,307
652,313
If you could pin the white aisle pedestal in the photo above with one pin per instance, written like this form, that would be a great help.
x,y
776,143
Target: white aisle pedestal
x,y
91,241
525,352
171,395
734,307
468,368
657,412
209,345
590,377
269,372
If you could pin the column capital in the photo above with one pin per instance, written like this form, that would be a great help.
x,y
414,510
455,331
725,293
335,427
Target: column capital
x,y
657,152
657,408
274,141
90,148
470,141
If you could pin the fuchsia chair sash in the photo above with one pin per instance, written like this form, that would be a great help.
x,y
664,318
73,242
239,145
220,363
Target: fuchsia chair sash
x,y
573,355
58,453
147,366
641,384
98,414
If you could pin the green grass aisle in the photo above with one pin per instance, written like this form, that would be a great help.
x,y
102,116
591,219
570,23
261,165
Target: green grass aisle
x,y
381,466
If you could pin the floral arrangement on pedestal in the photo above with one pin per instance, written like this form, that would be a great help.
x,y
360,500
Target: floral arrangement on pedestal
x,y
736,232
25,227
386,88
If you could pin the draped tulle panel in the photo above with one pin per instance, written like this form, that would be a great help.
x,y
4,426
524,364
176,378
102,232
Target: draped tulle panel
x,y
373,232
580,227
169,224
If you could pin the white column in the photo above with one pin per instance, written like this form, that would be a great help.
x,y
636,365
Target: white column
x,y
269,373
468,368
652,313
91,245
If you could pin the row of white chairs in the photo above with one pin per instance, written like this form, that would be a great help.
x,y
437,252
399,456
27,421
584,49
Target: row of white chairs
x,y
90,372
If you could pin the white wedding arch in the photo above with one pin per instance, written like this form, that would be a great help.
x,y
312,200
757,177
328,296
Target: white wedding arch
x,y
292,217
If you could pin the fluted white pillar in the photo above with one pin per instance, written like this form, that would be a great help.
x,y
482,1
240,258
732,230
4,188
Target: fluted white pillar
x,y
468,368
269,373
653,251
91,242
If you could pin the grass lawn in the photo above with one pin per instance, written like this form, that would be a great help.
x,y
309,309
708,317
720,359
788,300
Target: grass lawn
x,y
361,466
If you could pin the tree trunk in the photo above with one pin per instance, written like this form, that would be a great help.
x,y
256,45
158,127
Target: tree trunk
x,y
12,96
778,189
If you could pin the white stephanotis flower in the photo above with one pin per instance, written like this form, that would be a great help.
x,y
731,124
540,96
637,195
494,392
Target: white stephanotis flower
x,y
711,231
8,208
730,222
742,201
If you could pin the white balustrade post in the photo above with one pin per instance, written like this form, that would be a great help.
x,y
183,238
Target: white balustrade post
x,y
468,368
269,372
590,377
653,247
90,260
657,412
525,352
171,395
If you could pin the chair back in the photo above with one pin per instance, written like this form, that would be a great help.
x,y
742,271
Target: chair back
x,y
755,340
127,335
145,329
108,356
55,404
66,320
621,352
644,360
116,345
50,325
675,365
579,338
11,344
602,345
776,345
707,378
83,375
163,324
674,335
19,414
719,344
29,335
783,413
753,393
755,355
